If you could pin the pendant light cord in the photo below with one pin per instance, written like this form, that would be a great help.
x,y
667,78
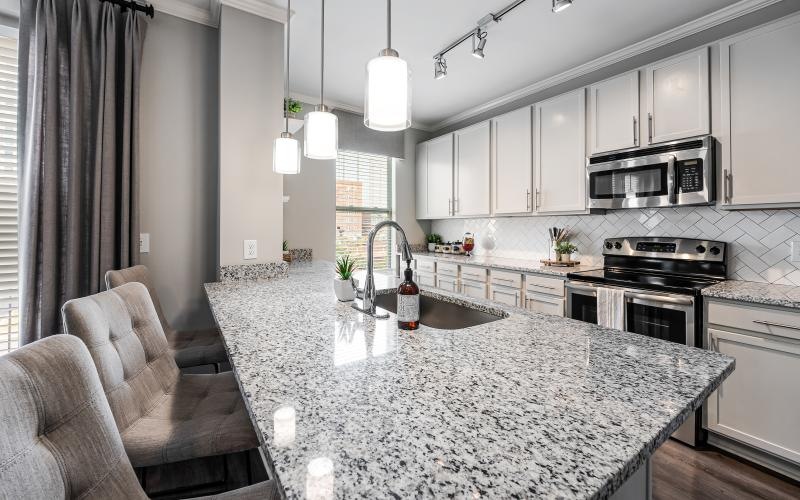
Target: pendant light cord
x,y
388,24
286,83
322,57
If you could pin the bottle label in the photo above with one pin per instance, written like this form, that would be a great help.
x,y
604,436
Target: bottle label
x,y
408,308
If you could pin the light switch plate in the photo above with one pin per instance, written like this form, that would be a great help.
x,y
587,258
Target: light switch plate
x,y
250,249
144,242
795,251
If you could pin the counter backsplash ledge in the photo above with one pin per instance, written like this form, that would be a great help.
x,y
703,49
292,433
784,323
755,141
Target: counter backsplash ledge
x,y
759,240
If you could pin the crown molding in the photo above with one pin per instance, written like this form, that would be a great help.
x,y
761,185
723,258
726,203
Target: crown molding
x,y
261,8
191,11
716,18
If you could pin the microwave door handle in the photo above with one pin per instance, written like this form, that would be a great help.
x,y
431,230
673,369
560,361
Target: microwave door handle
x,y
672,187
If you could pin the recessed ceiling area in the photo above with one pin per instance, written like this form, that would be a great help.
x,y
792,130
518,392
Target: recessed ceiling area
x,y
530,44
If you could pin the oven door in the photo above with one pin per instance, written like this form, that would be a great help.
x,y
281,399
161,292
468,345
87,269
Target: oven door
x,y
661,316
581,302
636,183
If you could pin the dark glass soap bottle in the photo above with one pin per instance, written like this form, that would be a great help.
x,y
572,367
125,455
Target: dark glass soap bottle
x,y
408,302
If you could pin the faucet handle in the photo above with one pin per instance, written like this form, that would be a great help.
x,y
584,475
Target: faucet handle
x,y
405,249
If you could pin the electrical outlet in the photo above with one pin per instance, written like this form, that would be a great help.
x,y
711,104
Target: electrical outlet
x,y
144,242
795,251
250,249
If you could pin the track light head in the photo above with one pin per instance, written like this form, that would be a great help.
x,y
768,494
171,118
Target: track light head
x,y
480,38
439,67
559,5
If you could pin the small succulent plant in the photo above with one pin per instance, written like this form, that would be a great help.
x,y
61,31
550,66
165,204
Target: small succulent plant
x,y
565,248
345,265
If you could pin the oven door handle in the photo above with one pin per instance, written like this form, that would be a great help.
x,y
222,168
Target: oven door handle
x,y
581,288
666,299
672,187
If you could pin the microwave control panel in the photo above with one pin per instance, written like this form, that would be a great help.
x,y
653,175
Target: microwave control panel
x,y
690,176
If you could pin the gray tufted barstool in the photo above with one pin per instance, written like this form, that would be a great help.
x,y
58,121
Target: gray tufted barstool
x,y
190,347
59,439
162,415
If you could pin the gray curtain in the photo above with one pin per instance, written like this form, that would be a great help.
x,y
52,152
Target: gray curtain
x,y
79,69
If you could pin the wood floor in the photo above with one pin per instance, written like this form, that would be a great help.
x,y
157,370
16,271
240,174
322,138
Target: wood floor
x,y
683,473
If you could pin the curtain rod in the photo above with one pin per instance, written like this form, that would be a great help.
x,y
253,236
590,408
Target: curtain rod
x,y
132,4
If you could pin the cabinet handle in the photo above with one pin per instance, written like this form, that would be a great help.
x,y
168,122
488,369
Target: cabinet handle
x,y
507,280
726,186
650,128
536,203
456,206
449,206
528,199
779,325
635,132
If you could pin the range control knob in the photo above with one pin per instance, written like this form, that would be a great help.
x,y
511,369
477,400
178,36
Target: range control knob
x,y
715,250
700,249
608,245
618,245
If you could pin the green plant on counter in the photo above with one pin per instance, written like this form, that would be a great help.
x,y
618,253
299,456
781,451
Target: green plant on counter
x,y
565,248
345,266
285,246
292,106
434,238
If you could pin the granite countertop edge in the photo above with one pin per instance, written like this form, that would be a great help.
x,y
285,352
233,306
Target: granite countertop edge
x,y
753,292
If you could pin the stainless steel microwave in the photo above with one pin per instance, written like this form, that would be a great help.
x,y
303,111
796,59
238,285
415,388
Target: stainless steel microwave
x,y
671,174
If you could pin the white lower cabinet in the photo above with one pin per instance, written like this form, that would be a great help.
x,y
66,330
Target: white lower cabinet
x,y
447,283
505,295
426,279
759,403
473,289
544,304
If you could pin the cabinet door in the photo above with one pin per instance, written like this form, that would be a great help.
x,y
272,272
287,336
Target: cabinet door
x,y
473,289
560,153
508,296
513,162
678,97
473,170
758,403
440,177
447,283
614,113
544,304
421,173
759,82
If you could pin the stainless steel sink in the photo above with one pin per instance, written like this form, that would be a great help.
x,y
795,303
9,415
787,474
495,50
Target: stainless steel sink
x,y
437,313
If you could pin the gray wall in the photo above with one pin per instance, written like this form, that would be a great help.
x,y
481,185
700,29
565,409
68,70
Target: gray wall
x,y
179,116
405,176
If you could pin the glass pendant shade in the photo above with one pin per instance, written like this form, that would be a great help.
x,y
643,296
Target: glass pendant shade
x,y
321,132
286,155
387,101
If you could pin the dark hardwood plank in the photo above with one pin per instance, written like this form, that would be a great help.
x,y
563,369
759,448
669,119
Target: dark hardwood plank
x,y
683,473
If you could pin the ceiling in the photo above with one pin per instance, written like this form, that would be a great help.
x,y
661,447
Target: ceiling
x,y
530,44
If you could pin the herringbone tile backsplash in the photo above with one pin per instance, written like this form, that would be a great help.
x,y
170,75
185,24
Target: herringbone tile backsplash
x,y
759,240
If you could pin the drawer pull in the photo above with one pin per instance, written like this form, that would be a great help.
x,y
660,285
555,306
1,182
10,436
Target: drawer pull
x,y
507,280
779,325
536,285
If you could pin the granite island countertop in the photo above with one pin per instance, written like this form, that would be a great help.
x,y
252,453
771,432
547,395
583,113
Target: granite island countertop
x,y
506,263
756,293
527,406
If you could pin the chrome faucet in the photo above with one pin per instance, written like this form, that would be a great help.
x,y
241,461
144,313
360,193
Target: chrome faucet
x,y
369,292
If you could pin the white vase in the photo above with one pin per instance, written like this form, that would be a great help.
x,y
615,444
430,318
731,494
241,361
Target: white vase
x,y
431,247
344,290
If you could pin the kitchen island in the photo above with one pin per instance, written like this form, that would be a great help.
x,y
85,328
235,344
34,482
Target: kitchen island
x,y
527,406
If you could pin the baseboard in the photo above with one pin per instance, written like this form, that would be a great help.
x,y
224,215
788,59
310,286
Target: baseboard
x,y
766,460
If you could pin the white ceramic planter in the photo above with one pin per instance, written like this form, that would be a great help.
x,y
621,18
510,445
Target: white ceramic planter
x,y
344,290
431,247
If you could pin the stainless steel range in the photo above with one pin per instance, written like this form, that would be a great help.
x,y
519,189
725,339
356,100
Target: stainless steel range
x,y
659,281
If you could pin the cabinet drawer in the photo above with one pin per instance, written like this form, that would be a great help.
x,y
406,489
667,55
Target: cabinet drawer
x,y
504,295
758,404
755,319
447,269
426,279
426,265
474,289
546,304
547,286
505,278
474,273
447,283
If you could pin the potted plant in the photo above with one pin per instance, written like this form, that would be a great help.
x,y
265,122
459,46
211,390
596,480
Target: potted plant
x,y
433,240
291,107
287,257
343,284
564,249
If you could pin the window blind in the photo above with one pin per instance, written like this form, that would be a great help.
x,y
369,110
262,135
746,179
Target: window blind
x,y
9,288
363,198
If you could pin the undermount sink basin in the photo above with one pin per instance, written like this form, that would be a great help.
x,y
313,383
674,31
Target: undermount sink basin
x,y
437,313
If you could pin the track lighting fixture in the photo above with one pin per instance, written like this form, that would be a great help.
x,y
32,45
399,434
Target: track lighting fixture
x,y
439,68
478,43
559,5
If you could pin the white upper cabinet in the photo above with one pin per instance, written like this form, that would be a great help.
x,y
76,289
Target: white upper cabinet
x,y
560,153
473,170
614,113
678,97
440,177
421,193
759,84
513,162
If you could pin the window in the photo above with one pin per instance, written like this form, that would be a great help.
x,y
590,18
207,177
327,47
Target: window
x,y
363,198
9,293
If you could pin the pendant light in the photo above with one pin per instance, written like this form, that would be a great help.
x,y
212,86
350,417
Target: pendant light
x,y
286,149
321,126
387,101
